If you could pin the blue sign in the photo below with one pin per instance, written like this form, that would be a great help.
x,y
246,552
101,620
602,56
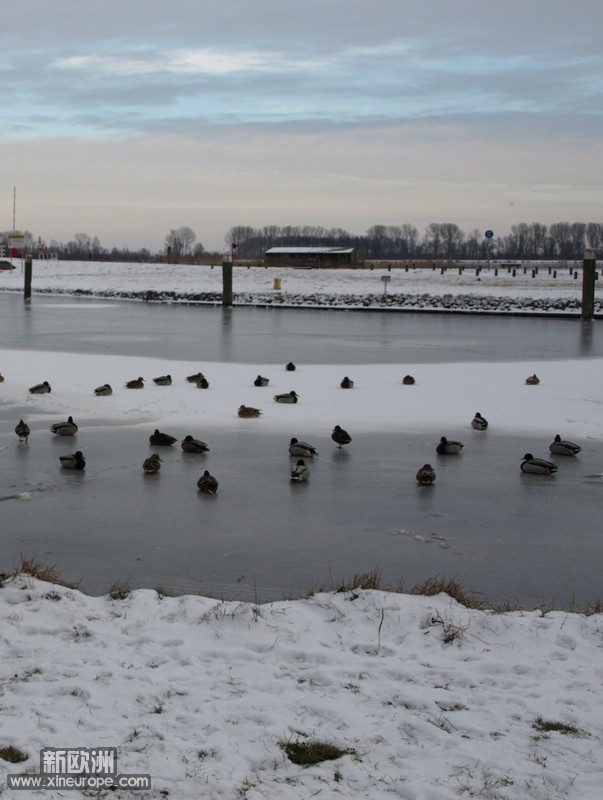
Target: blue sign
x,y
489,234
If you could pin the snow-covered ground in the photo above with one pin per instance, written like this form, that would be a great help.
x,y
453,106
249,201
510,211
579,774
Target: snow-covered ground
x,y
553,289
430,700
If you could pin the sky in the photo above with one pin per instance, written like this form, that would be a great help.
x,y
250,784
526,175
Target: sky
x,y
124,120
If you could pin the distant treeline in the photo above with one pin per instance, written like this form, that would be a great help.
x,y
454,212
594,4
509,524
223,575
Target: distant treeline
x,y
440,240
562,240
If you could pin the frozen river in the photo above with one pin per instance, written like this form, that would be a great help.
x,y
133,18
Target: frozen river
x,y
500,533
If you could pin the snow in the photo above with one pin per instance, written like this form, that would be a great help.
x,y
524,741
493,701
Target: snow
x,y
553,289
431,700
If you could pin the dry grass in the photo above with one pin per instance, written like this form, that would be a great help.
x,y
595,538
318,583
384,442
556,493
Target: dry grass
x,y
12,754
450,586
312,752
552,726
43,572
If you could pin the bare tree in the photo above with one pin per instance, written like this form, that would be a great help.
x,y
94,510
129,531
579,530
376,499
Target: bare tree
x,y
181,240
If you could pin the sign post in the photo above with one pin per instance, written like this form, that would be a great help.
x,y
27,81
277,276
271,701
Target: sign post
x,y
489,234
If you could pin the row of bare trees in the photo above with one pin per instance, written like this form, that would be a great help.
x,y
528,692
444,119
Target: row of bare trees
x,y
440,240
561,240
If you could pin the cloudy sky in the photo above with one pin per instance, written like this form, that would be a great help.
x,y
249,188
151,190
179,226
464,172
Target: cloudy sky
x,y
125,118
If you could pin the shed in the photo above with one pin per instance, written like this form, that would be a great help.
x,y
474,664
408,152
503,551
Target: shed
x,y
311,257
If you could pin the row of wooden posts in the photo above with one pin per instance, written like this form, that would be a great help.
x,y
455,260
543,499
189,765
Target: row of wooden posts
x,y
589,276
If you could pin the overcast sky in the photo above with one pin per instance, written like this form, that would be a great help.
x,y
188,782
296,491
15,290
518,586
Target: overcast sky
x,y
125,118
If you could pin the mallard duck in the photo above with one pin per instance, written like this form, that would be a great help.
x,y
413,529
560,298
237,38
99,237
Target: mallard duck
x,y
41,388
1,378
152,464
533,380
68,428
478,422
191,445
426,475
299,473
561,447
22,430
163,380
163,439
297,448
260,381
290,367
137,383
74,461
286,397
246,412
202,383
103,391
537,466
194,378
448,448
408,380
207,483
346,383
340,437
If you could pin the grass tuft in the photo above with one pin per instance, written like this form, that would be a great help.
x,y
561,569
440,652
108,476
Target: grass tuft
x,y
43,572
552,726
12,754
450,586
119,590
313,752
362,580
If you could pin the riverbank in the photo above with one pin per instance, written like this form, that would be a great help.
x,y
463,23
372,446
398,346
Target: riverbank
x,y
546,289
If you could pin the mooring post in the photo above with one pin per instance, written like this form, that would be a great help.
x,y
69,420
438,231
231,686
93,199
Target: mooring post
x,y
27,284
227,279
588,284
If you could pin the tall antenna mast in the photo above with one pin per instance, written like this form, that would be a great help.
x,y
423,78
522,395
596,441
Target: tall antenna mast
x,y
14,205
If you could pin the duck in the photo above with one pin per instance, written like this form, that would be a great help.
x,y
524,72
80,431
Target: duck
x,y
192,445
202,383
340,437
448,447
247,412
261,381
537,466
286,397
561,447
1,378
299,473
408,380
207,483
73,461
297,448
22,430
163,439
290,367
478,422
346,383
533,380
137,383
163,380
426,475
194,378
68,428
41,388
103,391
152,464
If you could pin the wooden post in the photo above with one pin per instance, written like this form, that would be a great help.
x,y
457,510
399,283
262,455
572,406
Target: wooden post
x,y
227,279
588,284
27,284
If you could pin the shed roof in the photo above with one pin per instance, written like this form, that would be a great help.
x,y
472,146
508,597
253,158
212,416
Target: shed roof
x,y
308,250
